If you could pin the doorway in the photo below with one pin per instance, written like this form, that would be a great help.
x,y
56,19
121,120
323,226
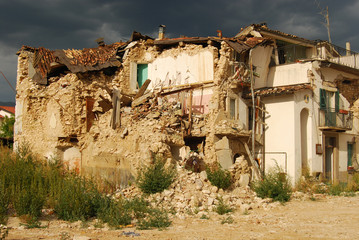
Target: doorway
x,y
331,167
305,141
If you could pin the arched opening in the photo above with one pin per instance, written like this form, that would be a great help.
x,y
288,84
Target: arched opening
x,y
304,128
235,157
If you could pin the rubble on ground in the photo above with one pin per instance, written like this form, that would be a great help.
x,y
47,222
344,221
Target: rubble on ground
x,y
193,194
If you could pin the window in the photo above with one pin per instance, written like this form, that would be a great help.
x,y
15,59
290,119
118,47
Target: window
x,y
289,53
142,74
232,106
139,74
329,100
329,103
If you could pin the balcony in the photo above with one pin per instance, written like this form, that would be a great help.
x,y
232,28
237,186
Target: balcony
x,y
339,55
337,121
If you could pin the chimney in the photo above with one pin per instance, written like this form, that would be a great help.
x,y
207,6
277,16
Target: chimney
x,y
161,32
100,42
347,47
219,33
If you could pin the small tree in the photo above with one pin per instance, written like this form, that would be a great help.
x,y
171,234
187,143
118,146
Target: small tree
x,y
7,127
155,177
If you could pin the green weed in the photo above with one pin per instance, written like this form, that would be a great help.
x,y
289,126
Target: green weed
x,y
222,208
275,185
155,177
218,177
228,220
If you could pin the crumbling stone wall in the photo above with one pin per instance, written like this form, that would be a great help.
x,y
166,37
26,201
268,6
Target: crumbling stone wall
x,y
59,120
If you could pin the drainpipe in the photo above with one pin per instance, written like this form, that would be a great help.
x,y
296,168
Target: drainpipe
x,y
253,104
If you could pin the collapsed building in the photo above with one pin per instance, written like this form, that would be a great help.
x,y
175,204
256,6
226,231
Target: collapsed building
x,y
105,111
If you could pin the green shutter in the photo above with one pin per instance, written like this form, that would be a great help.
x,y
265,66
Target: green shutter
x,y
142,74
323,99
350,153
337,101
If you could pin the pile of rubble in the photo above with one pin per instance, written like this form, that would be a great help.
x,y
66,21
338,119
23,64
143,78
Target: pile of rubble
x,y
192,193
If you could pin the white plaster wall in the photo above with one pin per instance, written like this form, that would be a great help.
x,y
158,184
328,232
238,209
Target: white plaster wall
x,y
261,57
343,150
280,139
72,157
181,69
314,135
288,74
243,113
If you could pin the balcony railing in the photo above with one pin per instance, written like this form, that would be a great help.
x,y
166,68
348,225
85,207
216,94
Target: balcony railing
x,y
340,55
330,119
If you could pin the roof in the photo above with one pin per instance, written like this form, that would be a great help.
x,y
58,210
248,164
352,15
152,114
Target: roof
x,y
238,44
50,62
8,109
46,61
281,90
264,29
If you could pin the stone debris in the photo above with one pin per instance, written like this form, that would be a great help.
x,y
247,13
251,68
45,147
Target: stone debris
x,y
192,193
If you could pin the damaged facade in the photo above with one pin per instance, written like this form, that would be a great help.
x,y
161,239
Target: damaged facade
x,y
105,110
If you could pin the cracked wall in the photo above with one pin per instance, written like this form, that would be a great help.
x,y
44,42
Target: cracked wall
x,y
69,117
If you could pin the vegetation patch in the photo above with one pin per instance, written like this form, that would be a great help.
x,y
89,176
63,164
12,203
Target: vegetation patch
x,y
218,177
155,177
222,208
275,184
27,185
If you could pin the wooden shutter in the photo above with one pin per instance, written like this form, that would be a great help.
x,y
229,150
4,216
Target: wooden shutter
x,y
337,101
323,99
350,154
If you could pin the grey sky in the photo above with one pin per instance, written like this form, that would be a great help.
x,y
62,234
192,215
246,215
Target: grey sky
x,y
62,24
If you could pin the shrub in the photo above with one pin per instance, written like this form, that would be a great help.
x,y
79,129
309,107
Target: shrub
x,y
79,199
275,185
222,208
353,183
7,127
113,212
156,218
155,178
4,203
336,189
219,177
27,184
228,220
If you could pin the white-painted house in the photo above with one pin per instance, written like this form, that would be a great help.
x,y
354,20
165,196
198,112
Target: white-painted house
x,y
308,89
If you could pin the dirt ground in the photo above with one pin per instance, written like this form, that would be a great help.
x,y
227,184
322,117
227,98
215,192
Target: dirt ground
x,y
324,217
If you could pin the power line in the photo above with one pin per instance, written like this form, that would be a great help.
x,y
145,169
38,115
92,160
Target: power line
x,y
8,82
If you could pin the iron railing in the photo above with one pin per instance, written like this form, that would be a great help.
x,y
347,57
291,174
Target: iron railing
x,y
340,55
330,118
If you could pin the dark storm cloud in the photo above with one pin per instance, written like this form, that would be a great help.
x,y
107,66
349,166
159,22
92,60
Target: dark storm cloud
x,y
61,24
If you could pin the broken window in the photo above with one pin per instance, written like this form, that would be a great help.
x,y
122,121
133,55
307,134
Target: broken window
x,y
232,106
195,143
289,53
139,74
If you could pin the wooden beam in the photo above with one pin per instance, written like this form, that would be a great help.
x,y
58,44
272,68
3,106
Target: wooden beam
x,y
190,111
257,173
142,99
143,88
